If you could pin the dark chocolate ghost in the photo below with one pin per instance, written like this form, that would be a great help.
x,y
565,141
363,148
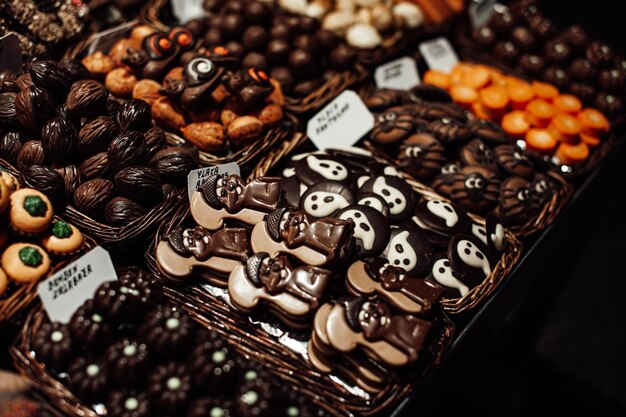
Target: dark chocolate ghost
x,y
326,198
409,250
398,194
371,229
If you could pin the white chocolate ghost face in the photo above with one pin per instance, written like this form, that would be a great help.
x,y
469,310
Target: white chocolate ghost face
x,y
374,203
289,172
400,253
323,203
472,256
394,198
362,180
443,210
479,232
327,168
389,170
442,272
497,237
363,229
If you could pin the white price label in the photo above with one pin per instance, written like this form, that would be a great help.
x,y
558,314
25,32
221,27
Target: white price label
x,y
399,74
197,177
439,54
69,288
480,11
185,10
341,123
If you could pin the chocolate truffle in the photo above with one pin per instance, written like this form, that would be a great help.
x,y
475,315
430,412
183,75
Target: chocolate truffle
x,y
583,70
168,331
169,388
233,26
257,12
236,49
127,362
609,104
342,57
127,404
278,52
254,398
307,43
502,23
523,38
326,39
256,38
303,63
612,81
576,37
255,60
88,379
485,36
281,31
53,345
506,50
213,367
600,54
556,76
213,37
532,65
542,27
583,91
284,77
556,52
89,328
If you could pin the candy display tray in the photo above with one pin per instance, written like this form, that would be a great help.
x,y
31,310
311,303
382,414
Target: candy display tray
x,y
507,303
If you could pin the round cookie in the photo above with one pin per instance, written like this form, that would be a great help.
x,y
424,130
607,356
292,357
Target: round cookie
x,y
31,211
443,217
326,198
375,201
4,196
477,153
25,262
443,182
409,250
316,168
475,188
421,155
65,239
398,194
443,274
392,126
513,161
516,202
371,229
469,260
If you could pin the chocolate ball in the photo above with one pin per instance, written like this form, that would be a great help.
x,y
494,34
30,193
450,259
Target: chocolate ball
x,y
531,64
304,88
612,81
258,13
542,27
506,51
213,5
342,58
556,76
600,54
278,52
582,70
236,49
523,38
583,91
502,23
284,77
196,26
213,37
308,24
256,38
485,36
610,105
326,39
302,63
281,31
576,37
233,26
307,43
234,6
255,60
556,52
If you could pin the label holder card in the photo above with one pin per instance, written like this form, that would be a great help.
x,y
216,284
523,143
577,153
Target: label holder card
x,y
197,177
480,11
66,290
439,54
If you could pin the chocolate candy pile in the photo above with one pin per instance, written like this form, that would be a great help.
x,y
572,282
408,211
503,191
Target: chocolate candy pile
x,y
202,93
140,356
340,239
31,240
71,141
523,38
472,162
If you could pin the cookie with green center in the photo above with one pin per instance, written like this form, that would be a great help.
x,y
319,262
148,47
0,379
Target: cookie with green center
x,y
4,196
25,262
4,282
64,239
31,211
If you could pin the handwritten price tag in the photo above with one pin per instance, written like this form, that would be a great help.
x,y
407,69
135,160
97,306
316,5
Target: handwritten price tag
x,y
400,74
68,289
197,177
439,54
341,123
480,11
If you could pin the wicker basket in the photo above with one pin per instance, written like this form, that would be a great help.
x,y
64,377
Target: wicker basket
x,y
478,294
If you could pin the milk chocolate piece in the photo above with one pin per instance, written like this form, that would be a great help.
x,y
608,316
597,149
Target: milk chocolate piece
x,y
477,153
514,161
582,70
475,188
393,126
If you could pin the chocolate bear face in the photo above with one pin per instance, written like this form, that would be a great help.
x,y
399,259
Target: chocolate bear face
x,y
422,155
513,161
477,153
392,126
475,188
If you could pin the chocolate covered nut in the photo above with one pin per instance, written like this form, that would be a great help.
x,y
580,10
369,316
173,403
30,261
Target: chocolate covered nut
x,y
513,161
96,134
58,139
295,291
370,229
33,106
96,166
243,130
86,98
377,276
316,242
326,198
468,258
121,211
369,324
475,188
126,149
31,153
134,115
398,194
92,196
184,252
142,184
231,198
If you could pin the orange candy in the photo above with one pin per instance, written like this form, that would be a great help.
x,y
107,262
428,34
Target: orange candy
x,y
481,112
568,103
437,78
473,76
565,128
520,93
591,141
515,123
540,140
494,99
544,90
572,154
540,113
594,123
464,95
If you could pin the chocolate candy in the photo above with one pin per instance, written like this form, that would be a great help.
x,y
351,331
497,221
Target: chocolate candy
x,y
58,139
557,52
370,229
475,188
477,153
142,184
516,203
506,51
512,160
399,195
326,198
53,345
392,126
89,328
407,249
96,134
126,149
86,98
88,379
33,106
531,64
169,387
53,77
468,258
442,217
600,54
312,169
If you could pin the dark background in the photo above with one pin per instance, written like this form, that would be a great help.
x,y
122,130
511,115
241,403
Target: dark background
x,y
564,351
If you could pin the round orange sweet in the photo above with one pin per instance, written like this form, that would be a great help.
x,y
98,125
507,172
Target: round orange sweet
x,y
540,113
540,140
515,123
